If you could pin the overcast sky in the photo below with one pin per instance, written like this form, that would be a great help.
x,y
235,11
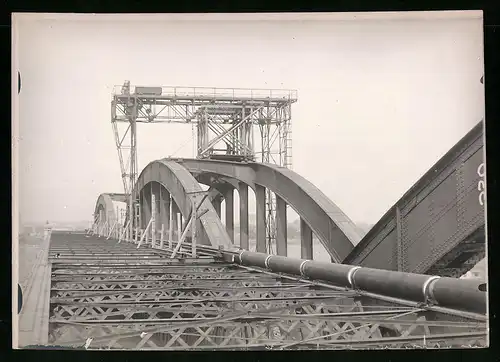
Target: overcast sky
x,y
380,100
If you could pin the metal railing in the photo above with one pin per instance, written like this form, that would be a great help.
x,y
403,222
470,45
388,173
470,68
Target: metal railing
x,y
214,93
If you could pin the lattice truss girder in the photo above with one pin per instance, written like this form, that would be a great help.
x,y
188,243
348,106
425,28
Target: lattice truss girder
x,y
232,125
216,306
216,114
213,129
152,110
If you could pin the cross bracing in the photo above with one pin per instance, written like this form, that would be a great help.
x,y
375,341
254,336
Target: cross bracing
x,y
147,300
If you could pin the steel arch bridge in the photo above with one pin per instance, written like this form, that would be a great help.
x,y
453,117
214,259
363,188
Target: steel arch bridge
x,y
156,289
437,227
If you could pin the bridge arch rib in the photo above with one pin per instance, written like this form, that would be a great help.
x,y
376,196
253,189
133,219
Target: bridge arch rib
x,y
108,203
222,189
108,212
336,232
179,183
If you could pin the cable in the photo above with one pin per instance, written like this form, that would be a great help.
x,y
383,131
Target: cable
x,y
182,145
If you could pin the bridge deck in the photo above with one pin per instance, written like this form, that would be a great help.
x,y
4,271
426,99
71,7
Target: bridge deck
x,y
33,319
106,294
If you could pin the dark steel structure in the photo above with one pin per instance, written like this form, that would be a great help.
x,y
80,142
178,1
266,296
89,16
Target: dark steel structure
x,y
438,226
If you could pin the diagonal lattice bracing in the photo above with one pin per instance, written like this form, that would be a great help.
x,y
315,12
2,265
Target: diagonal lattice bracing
x,y
183,304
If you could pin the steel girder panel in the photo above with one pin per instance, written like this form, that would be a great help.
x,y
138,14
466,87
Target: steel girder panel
x,y
178,182
440,211
217,182
334,229
385,254
430,224
460,216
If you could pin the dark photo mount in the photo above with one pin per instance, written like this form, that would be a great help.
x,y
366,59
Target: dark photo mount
x,y
155,257
19,299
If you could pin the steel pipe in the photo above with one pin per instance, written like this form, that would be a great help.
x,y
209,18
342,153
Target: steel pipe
x,y
450,293
322,271
455,293
396,284
253,259
282,264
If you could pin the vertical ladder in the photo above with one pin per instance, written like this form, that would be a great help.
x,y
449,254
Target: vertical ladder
x,y
288,144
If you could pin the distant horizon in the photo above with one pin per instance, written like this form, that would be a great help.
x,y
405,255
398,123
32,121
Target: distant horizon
x,y
39,222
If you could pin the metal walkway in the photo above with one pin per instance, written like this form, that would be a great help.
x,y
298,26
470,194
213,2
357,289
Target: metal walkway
x,y
33,319
110,295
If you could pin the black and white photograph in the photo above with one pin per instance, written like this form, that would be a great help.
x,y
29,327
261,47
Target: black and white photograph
x,y
265,181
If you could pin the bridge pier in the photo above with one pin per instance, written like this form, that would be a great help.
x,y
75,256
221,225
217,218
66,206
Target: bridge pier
x,y
229,198
243,192
175,226
155,200
260,201
306,244
140,210
281,227
217,202
164,208
201,234
145,195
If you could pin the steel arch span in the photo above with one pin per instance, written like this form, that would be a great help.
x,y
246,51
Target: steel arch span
x,y
178,182
106,210
336,232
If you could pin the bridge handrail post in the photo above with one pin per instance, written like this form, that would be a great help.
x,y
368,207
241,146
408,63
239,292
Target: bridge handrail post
x,y
145,233
170,224
161,235
153,219
179,227
101,232
123,232
94,225
194,212
181,240
111,231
